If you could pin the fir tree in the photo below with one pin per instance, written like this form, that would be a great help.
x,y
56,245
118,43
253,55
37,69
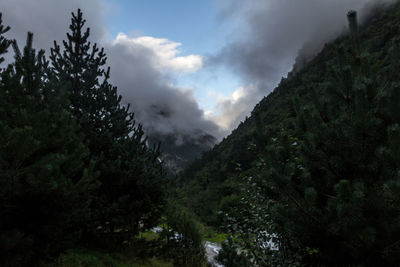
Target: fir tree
x,y
4,42
94,101
130,173
331,186
348,188
44,186
347,185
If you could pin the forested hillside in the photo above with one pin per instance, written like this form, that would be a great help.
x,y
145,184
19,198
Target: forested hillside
x,y
316,162
215,175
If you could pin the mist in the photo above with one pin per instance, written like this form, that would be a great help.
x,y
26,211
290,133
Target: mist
x,y
271,35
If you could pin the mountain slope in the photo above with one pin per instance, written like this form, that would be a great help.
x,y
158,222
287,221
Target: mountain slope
x,y
215,179
178,151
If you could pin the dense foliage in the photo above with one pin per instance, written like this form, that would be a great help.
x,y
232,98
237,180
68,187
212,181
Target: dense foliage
x,y
183,241
131,179
75,169
45,187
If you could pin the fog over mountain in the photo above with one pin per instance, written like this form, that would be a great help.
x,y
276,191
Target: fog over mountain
x,y
269,36
162,107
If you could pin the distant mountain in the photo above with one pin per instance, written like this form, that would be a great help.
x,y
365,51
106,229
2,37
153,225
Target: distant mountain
x,y
179,150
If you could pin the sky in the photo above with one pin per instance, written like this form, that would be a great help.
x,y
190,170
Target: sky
x,y
188,66
196,26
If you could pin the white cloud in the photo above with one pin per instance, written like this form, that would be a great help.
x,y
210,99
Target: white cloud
x,y
232,109
165,53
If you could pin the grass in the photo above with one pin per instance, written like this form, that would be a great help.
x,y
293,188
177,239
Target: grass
x,y
136,254
216,238
209,234
129,257
87,258
149,235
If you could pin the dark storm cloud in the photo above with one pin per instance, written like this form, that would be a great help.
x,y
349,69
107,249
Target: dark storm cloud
x,y
275,31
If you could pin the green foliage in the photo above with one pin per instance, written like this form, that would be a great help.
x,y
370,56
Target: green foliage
x,y
211,235
183,238
74,166
343,172
44,185
131,190
149,235
83,258
4,42
229,256
327,191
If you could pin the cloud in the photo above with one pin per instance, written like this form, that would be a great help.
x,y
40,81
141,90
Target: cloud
x,y
159,105
141,67
272,33
165,53
49,19
230,110
268,36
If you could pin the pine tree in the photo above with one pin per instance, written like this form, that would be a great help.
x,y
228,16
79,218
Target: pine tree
x,y
94,101
4,42
44,186
130,173
338,188
332,186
